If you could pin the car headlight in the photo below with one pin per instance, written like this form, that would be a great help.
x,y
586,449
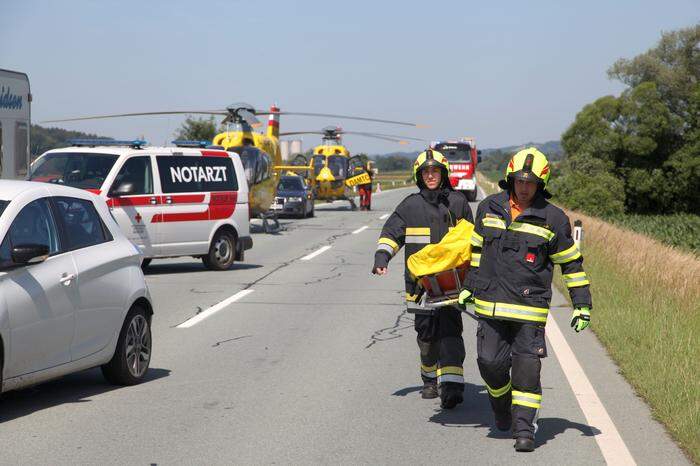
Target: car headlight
x,y
294,199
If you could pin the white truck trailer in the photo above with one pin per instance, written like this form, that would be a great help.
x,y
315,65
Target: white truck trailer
x,y
15,103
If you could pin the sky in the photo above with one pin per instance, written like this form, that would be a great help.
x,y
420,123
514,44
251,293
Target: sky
x,y
505,72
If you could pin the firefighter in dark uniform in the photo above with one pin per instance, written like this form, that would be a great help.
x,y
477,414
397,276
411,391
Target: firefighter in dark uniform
x,y
425,218
518,239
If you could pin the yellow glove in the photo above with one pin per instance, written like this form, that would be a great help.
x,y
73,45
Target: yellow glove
x,y
465,297
581,318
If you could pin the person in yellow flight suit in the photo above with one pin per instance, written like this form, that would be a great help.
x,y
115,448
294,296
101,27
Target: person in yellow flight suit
x,y
518,238
425,218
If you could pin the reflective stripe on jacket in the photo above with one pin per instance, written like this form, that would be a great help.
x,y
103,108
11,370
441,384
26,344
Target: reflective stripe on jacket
x,y
513,260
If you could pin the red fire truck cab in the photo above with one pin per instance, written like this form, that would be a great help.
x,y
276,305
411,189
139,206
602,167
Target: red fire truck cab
x,y
463,157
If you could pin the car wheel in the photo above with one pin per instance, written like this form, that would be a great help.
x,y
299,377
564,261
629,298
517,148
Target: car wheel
x,y
222,252
145,263
133,353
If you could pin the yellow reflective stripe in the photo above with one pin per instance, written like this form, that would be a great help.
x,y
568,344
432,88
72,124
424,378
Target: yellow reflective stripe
x,y
499,392
532,229
573,280
511,311
477,240
456,370
531,400
476,260
411,297
567,255
389,242
428,368
494,222
414,231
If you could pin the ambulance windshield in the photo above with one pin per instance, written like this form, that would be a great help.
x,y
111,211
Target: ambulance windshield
x,y
79,170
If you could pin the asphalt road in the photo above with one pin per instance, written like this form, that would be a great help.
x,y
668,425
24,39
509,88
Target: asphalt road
x,y
314,361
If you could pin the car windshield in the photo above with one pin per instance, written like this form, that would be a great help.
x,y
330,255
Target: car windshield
x,y
79,170
290,184
3,205
455,152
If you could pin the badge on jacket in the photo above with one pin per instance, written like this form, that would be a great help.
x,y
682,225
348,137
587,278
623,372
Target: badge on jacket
x,y
530,257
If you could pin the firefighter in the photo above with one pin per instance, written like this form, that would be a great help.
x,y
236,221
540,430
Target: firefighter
x,y
366,190
421,219
518,238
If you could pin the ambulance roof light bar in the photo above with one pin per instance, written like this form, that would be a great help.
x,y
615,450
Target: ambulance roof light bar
x,y
135,144
191,143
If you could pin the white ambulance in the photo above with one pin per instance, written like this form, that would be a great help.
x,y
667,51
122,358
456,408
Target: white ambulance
x,y
169,201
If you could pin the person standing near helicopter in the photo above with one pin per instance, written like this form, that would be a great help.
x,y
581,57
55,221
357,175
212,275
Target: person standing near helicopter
x,y
425,218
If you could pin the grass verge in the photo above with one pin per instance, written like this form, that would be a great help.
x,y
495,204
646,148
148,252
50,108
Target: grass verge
x,y
646,299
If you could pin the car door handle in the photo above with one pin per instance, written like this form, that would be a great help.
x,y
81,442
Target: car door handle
x,y
66,279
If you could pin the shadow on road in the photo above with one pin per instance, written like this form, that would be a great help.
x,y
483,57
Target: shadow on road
x,y
73,388
550,427
474,412
189,267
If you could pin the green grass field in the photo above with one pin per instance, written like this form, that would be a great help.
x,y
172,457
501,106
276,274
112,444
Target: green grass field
x,y
646,312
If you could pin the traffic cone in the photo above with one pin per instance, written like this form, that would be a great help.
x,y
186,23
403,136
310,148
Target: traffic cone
x,y
379,188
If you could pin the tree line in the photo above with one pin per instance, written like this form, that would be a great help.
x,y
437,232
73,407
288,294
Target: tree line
x,y
639,152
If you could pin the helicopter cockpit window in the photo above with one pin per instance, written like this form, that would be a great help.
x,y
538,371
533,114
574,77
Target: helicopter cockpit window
x,y
338,166
263,166
318,162
249,158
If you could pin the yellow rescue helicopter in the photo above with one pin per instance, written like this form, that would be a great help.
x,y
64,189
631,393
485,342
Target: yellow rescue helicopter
x,y
331,170
259,152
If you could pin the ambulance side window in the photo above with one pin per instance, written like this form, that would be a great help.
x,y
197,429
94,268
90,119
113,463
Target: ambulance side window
x,y
137,171
183,174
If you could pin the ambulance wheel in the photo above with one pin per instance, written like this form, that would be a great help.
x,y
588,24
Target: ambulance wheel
x,y
222,251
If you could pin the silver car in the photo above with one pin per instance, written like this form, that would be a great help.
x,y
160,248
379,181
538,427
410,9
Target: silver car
x,y
72,293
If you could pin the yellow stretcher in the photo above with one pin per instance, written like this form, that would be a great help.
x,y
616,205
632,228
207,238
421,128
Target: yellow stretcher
x,y
441,268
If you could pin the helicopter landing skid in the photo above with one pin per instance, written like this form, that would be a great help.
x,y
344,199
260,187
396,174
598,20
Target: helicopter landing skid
x,y
266,217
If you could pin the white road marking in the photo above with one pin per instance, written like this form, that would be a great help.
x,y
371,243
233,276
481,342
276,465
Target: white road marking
x,y
316,253
384,216
360,230
214,309
611,444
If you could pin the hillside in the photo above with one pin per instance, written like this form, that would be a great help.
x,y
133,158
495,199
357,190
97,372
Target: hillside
x,y
43,139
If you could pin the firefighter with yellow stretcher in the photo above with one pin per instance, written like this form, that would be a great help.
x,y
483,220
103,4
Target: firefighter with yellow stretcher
x,y
420,222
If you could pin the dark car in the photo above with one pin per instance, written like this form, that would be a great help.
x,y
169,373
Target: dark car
x,y
293,197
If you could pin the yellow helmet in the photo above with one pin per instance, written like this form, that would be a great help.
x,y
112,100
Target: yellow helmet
x,y
528,164
431,158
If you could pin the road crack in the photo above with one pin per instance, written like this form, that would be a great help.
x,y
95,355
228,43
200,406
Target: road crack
x,y
219,343
393,332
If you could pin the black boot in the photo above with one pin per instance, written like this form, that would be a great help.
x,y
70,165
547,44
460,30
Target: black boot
x,y
504,421
451,394
429,391
524,444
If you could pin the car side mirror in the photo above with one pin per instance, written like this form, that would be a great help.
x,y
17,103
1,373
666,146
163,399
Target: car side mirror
x,y
124,189
27,254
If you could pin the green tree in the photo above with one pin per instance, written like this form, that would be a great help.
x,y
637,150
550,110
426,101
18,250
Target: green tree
x,y
646,140
197,129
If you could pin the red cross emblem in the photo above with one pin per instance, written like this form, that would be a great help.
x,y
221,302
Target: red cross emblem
x,y
138,217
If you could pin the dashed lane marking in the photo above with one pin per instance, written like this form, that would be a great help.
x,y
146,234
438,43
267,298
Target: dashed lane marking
x,y
384,216
609,440
214,309
316,253
360,230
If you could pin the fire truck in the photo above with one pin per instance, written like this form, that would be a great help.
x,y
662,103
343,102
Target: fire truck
x,y
463,157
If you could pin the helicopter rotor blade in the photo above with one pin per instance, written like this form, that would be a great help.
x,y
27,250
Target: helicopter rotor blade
x,y
346,117
120,115
392,136
292,133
